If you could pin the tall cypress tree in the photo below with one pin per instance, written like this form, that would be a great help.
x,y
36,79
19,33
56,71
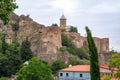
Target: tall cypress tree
x,y
94,63
25,50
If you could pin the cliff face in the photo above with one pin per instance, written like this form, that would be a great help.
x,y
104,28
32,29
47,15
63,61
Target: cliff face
x,y
46,41
102,44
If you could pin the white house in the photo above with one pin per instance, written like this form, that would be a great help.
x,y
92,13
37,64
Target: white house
x,y
81,72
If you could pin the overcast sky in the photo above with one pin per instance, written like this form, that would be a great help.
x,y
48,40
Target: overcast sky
x,y
101,16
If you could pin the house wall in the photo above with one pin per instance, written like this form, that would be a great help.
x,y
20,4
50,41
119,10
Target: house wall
x,y
74,76
85,75
105,70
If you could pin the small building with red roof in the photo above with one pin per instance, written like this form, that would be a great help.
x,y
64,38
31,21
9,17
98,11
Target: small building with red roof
x,y
82,72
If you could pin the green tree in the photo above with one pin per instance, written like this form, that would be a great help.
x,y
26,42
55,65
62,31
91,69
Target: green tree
x,y
63,49
94,63
10,58
84,61
66,41
57,65
106,77
114,62
10,62
74,61
71,48
4,78
15,28
73,29
81,53
54,25
4,68
4,44
14,58
35,70
6,7
25,50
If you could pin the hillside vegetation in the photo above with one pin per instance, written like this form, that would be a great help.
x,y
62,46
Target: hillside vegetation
x,y
69,46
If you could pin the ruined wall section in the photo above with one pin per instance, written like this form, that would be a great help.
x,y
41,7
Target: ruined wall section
x,y
104,55
104,45
97,43
53,34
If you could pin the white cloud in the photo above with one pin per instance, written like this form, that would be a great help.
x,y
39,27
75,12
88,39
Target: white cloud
x,y
67,6
115,47
99,15
103,8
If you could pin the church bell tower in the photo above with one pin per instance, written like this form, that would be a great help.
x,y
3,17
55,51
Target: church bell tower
x,y
62,22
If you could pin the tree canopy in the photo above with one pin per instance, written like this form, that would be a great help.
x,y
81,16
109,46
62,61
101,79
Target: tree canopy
x,y
6,7
57,65
4,78
35,70
4,44
114,62
73,29
10,61
54,25
26,52
82,53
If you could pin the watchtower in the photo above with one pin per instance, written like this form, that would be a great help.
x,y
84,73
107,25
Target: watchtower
x,y
62,22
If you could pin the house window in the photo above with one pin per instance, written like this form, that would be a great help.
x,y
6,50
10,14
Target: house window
x,y
61,74
81,75
67,75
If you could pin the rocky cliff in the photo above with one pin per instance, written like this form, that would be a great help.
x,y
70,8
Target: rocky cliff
x,y
102,44
46,40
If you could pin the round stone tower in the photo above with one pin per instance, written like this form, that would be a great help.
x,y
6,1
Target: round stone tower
x,y
63,22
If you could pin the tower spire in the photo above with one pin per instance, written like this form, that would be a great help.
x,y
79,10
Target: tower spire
x,y
62,22
63,17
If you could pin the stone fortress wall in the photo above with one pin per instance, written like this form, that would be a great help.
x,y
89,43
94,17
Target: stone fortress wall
x,y
46,41
102,44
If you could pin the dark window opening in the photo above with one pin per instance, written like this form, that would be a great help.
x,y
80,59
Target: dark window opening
x,y
81,75
61,74
67,75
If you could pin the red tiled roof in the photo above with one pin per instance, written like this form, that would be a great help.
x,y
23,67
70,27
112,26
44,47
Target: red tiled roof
x,y
107,67
83,68
77,68
104,66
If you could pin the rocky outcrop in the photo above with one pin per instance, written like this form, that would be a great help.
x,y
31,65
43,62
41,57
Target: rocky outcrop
x,y
102,44
46,41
